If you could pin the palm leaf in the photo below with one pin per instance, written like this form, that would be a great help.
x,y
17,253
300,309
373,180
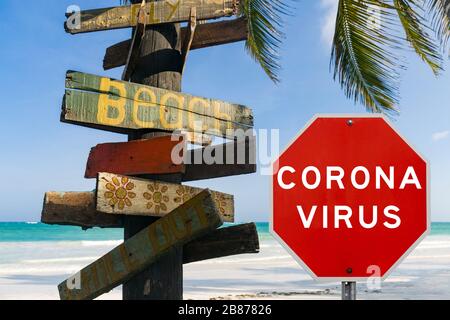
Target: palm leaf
x,y
439,10
365,58
264,20
413,20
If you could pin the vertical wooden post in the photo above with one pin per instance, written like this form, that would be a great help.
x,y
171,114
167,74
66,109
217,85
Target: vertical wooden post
x,y
158,65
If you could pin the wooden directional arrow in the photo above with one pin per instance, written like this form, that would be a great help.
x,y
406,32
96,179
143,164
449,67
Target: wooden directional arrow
x,y
191,220
152,156
206,35
124,107
158,12
230,159
76,209
155,156
231,241
121,195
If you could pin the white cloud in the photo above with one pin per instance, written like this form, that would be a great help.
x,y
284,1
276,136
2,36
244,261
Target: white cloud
x,y
440,135
329,21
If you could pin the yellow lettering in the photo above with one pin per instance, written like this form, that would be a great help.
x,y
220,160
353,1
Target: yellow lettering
x,y
167,124
105,102
158,237
174,7
225,117
178,224
138,102
134,13
192,124
151,17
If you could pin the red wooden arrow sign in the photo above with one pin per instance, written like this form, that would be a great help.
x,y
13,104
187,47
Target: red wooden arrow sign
x,y
153,156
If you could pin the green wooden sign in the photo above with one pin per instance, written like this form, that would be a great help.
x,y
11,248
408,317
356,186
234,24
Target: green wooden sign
x,y
121,106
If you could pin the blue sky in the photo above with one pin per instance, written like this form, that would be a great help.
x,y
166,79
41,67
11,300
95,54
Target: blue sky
x,y
40,154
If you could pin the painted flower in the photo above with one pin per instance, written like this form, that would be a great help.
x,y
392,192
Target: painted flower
x,y
120,192
184,194
221,203
157,197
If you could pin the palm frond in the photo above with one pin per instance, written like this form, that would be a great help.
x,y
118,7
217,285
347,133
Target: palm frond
x,y
365,57
412,17
264,20
439,10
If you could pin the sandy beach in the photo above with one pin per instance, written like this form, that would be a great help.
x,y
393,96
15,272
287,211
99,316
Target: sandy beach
x,y
32,270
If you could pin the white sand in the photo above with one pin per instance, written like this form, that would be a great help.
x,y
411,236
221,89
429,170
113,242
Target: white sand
x,y
33,270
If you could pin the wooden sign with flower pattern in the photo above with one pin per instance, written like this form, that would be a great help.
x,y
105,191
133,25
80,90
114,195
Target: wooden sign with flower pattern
x,y
117,194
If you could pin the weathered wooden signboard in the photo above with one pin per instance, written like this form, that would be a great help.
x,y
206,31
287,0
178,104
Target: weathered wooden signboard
x,y
152,156
76,209
123,195
121,106
224,242
224,160
206,35
191,220
158,12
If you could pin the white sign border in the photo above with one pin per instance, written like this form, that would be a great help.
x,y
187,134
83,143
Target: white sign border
x,y
407,252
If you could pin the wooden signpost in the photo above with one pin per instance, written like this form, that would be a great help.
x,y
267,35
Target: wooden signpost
x,y
158,12
206,35
166,224
120,106
191,220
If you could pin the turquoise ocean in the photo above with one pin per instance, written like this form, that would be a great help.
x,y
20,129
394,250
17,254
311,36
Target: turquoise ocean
x,y
32,232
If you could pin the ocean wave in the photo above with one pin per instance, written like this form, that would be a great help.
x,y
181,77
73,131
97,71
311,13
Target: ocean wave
x,y
55,260
100,243
63,243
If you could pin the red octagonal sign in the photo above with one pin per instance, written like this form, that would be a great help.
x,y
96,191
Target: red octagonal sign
x,y
350,197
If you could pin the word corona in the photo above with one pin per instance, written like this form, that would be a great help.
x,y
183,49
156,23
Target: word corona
x,y
360,178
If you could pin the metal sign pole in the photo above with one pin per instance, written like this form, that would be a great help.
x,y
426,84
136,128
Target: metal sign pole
x,y
348,290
